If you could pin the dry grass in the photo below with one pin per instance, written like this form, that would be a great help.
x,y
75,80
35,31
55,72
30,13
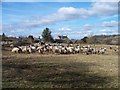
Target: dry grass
x,y
60,71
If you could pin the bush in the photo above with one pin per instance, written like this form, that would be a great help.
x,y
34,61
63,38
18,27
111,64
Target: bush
x,y
21,42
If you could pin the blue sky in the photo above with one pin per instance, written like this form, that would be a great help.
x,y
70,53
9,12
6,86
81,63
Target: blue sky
x,y
74,19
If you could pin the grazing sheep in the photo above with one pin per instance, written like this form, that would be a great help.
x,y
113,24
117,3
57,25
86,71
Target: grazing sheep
x,y
116,50
62,49
70,50
110,47
84,50
24,49
40,51
77,49
33,48
11,45
102,50
95,51
16,50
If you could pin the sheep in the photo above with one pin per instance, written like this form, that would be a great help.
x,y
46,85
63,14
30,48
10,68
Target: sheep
x,y
70,50
77,49
11,45
102,50
65,51
62,49
16,50
84,50
95,51
40,51
29,50
38,48
50,49
90,50
24,49
116,50
110,47
33,48
55,49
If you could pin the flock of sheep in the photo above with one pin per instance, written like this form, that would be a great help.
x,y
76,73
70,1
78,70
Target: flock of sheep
x,y
59,49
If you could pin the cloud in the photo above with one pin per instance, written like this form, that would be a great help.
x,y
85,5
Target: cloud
x,y
105,0
97,9
70,13
87,27
109,17
103,24
109,24
46,0
108,31
106,27
104,8
65,29
59,0
18,31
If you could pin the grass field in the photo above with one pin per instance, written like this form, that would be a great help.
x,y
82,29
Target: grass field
x,y
60,71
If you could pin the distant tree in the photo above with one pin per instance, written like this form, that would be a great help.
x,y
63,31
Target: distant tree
x,y
92,40
107,41
84,39
31,38
39,38
46,35
3,37
21,38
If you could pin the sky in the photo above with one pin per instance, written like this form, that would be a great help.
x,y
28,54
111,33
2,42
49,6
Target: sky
x,y
74,19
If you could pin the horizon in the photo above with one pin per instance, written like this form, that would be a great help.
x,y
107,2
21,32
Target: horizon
x,y
59,35
73,19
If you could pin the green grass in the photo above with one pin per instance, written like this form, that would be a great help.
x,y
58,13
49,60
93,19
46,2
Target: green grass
x,y
60,71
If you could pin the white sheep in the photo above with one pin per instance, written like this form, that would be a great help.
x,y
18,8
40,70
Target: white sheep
x,y
102,50
16,50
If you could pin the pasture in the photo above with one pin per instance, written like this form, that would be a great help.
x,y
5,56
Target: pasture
x,y
60,71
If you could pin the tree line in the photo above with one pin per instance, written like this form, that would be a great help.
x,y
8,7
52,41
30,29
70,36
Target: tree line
x,y
47,37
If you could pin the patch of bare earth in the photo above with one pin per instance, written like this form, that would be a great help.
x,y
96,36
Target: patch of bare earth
x,y
59,71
